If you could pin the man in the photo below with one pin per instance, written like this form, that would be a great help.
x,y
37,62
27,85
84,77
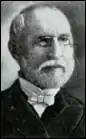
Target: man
x,y
37,105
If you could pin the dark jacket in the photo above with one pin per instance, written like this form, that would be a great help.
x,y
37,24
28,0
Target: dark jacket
x,y
65,119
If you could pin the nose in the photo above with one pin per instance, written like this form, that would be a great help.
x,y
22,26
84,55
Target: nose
x,y
55,49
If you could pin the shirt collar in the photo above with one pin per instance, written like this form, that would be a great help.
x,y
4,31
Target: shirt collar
x,y
28,88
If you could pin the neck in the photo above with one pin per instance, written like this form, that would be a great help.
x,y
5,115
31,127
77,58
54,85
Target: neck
x,y
28,88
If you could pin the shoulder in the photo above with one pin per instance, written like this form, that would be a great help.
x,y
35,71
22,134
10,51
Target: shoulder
x,y
76,105
77,112
73,101
14,88
9,96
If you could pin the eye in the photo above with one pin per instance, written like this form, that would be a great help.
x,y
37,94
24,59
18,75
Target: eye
x,y
64,40
39,42
44,41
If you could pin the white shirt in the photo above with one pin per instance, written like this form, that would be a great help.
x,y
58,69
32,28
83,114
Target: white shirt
x,y
30,90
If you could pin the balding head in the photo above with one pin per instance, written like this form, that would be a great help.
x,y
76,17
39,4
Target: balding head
x,y
37,14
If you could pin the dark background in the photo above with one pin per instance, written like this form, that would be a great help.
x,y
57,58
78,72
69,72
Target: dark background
x,y
75,11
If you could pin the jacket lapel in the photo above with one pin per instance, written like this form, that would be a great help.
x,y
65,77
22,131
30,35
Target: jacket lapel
x,y
22,115
63,117
60,120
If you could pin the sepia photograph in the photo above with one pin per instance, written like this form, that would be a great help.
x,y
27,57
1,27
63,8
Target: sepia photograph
x,y
42,69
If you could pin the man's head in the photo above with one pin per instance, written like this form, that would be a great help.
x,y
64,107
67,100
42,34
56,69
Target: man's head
x,y
41,42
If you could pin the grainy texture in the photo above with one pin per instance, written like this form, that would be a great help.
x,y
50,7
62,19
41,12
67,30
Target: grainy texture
x,y
76,13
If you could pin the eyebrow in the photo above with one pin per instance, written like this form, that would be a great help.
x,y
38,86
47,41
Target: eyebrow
x,y
49,36
40,37
45,37
65,34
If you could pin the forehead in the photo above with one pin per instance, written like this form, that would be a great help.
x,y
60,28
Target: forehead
x,y
48,21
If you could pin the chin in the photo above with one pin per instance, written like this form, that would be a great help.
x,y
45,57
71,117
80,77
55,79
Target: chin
x,y
46,83
51,85
54,84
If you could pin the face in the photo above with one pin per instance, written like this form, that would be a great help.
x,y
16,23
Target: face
x,y
47,58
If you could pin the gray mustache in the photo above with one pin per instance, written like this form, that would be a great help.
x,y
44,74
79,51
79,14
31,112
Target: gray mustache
x,y
52,64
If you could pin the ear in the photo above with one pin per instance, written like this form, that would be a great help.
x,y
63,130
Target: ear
x,y
12,46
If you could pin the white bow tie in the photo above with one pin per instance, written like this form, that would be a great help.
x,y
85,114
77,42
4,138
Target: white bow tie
x,y
41,99
36,95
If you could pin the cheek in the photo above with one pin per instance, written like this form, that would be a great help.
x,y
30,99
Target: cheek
x,y
69,59
68,53
38,51
35,56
